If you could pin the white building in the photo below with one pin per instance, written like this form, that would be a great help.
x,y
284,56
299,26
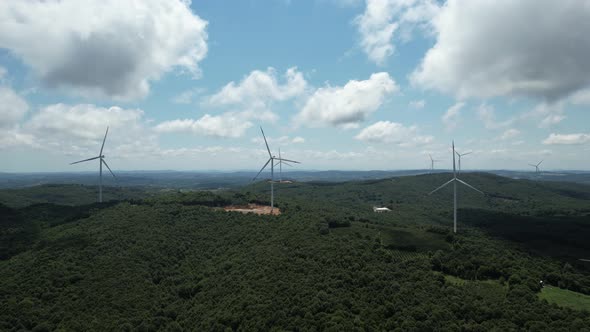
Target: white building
x,y
380,209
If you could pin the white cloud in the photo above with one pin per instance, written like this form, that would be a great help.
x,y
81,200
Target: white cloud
x,y
509,133
509,48
567,139
227,125
417,104
2,73
383,18
348,105
259,89
188,96
12,107
82,121
549,113
487,114
451,117
77,131
581,97
298,140
283,140
104,48
392,132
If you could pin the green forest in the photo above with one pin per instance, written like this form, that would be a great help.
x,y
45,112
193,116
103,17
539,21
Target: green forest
x,y
170,260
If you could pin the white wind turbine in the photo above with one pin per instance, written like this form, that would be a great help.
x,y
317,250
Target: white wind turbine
x,y
271,161
537,169
281,163
461,155
102,161
432,161
454,180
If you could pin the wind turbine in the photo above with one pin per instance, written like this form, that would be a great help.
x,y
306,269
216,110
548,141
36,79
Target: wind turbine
x,y
271,161
454,180
280,163
461,155
537,170
102,161
432,161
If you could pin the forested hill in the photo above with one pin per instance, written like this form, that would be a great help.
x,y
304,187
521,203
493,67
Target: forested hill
x,y
175,261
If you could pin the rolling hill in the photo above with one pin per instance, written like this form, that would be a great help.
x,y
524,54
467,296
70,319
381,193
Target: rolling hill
x,y
174,261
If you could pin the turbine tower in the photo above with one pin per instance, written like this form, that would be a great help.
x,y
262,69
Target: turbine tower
x,y
454,180
461,155
537,170
432,161
102,161
271,161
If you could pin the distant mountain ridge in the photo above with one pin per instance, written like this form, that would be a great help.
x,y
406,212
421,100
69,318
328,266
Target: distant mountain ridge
x,y
216,180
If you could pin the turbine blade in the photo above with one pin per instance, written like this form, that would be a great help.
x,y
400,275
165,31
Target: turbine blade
x,y
540,162
430,157
291,161
470,186
265,142
437,189
284,163
103,140
262,169
532,165
466,153
107,165
81,161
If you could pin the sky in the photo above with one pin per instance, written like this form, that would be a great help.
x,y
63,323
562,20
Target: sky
x,y
347,85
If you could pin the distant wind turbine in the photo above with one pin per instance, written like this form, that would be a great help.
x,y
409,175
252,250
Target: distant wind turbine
x,y
102,161
432,161
281,163
537,170
461,155
271,161
454,180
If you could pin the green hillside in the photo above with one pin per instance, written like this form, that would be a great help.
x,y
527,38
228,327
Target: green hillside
x,y
328,262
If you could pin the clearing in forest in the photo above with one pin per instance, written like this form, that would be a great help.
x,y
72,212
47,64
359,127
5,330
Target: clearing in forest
x,y
253,208
565,298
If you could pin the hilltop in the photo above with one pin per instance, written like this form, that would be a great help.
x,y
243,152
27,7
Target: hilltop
x,y
172,260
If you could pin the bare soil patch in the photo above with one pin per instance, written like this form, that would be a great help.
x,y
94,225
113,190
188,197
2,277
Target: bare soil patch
x,y
252,208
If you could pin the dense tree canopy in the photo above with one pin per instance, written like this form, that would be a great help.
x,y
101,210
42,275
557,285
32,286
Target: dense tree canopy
x,y
176,261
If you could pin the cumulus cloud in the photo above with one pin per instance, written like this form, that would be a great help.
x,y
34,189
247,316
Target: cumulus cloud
x,y
283,140
12,107
549,113
451,117
487,115
567,139
104,48
509,48
259,89
227,125
392,132
77,131
188,96
581,97
348,105
82,121
509,134
382,19
417,104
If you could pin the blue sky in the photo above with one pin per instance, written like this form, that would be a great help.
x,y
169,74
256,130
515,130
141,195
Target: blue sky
x,y
375,84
